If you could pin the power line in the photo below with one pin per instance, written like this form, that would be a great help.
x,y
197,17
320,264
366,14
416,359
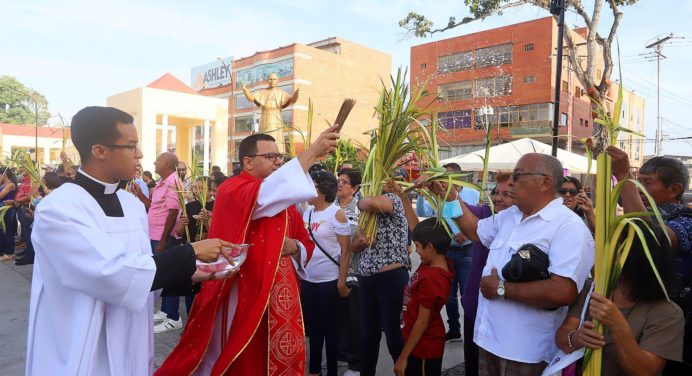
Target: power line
x,y
653,85
658,48
676,124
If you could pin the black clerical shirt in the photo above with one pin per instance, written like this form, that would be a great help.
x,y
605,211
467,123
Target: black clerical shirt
x,y
174,266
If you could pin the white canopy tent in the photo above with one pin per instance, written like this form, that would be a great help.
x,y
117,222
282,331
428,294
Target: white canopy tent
x,y
505,157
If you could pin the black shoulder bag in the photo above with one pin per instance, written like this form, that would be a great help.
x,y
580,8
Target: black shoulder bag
x,y
528,264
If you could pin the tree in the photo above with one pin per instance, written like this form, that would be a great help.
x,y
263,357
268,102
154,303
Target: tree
x,y
17,103
596,44
345,152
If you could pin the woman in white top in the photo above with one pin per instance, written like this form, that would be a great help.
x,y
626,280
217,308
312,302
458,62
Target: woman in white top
x,y
330,230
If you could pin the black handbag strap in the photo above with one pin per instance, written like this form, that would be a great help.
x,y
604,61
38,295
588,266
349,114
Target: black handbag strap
x,y
315,240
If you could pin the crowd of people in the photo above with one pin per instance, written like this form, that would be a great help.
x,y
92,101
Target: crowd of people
x,y
518,267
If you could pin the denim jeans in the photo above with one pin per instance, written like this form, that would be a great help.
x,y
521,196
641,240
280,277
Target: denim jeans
x,y
349,330
381,299
7,237
461,260
170,305
25,226
321,306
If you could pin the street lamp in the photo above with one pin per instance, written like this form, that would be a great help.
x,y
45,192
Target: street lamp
x,y
231,104
36,120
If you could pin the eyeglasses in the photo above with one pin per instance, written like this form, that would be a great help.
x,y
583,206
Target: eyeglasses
x,y
120,146
516,174
269,156
564,191
343,182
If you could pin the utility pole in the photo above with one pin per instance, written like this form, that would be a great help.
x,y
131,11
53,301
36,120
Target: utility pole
x,y
557,8
658,48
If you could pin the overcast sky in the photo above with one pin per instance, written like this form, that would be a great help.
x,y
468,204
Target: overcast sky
x,y
79,52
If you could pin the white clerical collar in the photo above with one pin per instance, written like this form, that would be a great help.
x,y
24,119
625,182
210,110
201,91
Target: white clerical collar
x,y
108,188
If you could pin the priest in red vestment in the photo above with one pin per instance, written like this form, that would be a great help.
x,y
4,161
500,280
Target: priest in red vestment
x,y
252,324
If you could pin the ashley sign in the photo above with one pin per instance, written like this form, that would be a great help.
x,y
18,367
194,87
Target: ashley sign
x,y
212,74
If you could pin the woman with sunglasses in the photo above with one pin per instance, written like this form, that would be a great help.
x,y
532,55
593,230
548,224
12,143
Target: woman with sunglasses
x,y
575,198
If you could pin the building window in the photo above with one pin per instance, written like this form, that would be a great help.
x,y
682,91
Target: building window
x,y
456,91
492,56
581,122
586,123
244,123
492,86
241,102
529,79
599,74
423,66
528,47
563,119
456,62
258,73
525,116
455,119
484,118
565,86
578,92
287,117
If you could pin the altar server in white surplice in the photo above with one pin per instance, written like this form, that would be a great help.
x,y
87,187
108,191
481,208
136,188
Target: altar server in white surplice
x,y
91,302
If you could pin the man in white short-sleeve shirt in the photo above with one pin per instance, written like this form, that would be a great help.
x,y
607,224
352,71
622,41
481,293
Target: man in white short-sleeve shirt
x,y
515,326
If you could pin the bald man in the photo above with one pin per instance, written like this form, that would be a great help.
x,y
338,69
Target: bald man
x,y
523,341
165,207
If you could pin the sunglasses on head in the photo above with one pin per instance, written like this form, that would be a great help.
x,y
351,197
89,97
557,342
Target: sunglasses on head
x,y
564,191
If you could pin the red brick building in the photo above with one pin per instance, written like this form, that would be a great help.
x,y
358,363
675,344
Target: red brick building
x,y
512,70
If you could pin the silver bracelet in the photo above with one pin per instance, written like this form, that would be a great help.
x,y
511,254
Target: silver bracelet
x,y
569,339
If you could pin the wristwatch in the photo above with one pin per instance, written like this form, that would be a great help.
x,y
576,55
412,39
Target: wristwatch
x,y
501,289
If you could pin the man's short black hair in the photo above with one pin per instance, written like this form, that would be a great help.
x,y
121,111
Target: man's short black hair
x,y
326,184
218,179
669,170
453,166
52,180
248,146
96,125
316,167
432,231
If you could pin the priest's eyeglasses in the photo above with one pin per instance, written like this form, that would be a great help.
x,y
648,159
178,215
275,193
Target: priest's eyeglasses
x,y
120,146
272,157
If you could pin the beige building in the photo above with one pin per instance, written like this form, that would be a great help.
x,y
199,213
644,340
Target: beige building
x,y
14,137
327,72
632,118
170,116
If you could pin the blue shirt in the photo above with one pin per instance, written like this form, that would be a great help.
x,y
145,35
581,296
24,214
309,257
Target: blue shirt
x,y
424,209
142,186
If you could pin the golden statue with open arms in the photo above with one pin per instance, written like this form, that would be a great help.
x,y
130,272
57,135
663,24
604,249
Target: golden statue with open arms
x,y
272,100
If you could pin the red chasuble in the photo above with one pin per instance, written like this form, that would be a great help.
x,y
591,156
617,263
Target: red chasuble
x,y
266,335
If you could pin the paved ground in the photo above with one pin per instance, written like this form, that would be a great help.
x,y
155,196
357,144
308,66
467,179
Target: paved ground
x,y
15,282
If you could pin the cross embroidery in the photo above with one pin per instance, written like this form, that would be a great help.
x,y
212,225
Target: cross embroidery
x,y
285,299
287,344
